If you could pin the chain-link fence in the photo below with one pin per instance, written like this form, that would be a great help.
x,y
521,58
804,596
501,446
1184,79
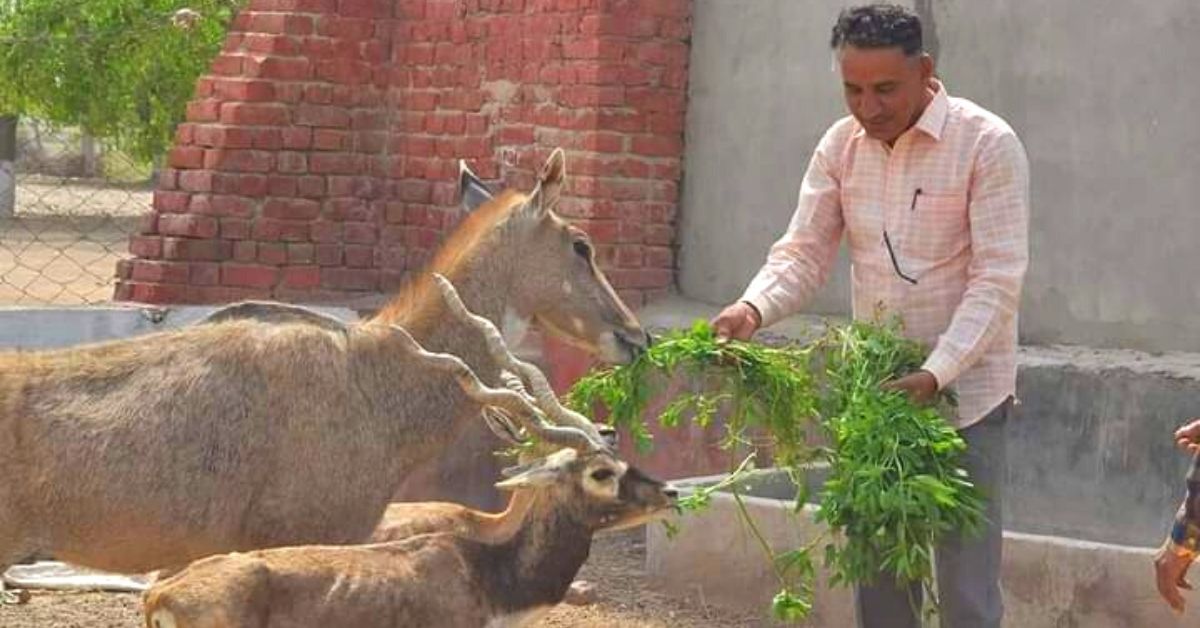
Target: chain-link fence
x,y
75,205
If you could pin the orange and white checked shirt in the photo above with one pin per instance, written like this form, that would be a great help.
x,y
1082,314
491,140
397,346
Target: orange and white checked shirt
x,y
952,197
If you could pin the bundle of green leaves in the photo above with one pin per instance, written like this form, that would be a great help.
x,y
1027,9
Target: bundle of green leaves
x,y
895,483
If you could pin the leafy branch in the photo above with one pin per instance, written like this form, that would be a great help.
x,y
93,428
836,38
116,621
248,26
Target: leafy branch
x,y
895,484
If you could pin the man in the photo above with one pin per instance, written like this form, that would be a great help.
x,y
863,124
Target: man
x,y
1183,543
932,193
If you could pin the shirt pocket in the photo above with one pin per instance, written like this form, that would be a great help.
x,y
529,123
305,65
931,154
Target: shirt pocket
x,y
937,228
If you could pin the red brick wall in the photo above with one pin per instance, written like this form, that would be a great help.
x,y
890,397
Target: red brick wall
x,y
318,162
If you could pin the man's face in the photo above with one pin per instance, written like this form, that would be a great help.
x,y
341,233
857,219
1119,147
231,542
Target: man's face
x,y
885,89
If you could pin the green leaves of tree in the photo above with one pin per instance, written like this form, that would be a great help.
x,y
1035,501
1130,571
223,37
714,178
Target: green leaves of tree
x,y
120,69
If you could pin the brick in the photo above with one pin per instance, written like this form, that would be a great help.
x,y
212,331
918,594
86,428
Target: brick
x,y
146,247
301,253
659,257
291,209
171,202
296,138
359,255
279,69
630,256
196,250
520,135
204,274
297,6
350,278
268,139
631,232
665,8
360,233
325,232
223,294
600,142
248,275
207,110
344,71
270,230
245,251
282,186
253,114
280,23
223,205
238,160
658,145
147,224
661,235
312,187
666,123
301,277
251,185
345,25
235,228
272,254
335,163
187,225
215,136
243,90
329,254
332,139
156,293
186,157
271,44
653,100
288,162
168,179
350,210
318,94
322,116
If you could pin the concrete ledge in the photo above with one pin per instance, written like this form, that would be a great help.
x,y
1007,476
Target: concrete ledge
x,y
1048,582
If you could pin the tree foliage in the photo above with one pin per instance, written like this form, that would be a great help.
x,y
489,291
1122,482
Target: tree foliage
x,y
122,70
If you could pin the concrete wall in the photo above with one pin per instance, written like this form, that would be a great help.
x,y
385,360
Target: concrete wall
x,y
1094,88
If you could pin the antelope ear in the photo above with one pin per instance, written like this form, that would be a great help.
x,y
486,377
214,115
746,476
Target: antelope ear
x,y
539,472
472,191
550,183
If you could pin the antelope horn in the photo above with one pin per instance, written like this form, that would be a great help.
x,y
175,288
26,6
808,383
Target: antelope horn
x,y
539,386
514,404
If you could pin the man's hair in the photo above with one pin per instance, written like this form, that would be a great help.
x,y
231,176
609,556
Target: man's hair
x,y
878,25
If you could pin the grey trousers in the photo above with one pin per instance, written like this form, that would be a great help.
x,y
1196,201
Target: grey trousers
x,y
968,569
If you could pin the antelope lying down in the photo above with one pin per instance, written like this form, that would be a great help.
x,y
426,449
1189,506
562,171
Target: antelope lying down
x,y
510,569
473,569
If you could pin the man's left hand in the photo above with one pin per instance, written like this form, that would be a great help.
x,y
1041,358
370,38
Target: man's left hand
x,y
1170,570
921,387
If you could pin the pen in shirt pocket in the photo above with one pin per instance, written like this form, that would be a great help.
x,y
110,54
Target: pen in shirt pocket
x,y
916,193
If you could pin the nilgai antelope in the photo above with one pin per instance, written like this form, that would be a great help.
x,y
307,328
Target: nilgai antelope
x,y
484,569
516,565
242,433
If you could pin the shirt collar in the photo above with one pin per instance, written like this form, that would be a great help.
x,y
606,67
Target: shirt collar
x,y
933,119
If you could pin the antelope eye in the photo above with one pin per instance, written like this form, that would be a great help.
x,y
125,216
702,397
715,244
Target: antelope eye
x,y
582,248
602,475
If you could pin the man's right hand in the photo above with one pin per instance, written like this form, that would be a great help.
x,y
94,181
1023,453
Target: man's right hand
x,y
1188,437
738,321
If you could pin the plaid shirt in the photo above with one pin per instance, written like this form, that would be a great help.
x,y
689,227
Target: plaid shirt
x,y
1186,531
937,228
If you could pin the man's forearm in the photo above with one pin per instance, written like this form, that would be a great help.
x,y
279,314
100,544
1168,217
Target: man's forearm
x,y
1185,533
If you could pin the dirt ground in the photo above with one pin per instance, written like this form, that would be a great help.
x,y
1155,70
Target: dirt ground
x,y
616,568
